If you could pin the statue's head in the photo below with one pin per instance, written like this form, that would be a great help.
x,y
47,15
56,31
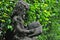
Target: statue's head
x,y
21,7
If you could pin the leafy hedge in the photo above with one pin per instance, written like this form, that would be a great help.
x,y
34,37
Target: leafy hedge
x,y
44,11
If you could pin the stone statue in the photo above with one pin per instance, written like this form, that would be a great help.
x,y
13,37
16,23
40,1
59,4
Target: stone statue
x,y
20,32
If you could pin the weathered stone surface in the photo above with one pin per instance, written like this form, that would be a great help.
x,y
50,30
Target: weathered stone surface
x,y
20,32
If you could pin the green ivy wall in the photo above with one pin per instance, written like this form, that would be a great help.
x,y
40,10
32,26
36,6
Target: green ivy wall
x,y
47,12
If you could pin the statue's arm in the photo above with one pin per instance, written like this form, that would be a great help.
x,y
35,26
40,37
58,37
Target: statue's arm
x,y
23,30
19,26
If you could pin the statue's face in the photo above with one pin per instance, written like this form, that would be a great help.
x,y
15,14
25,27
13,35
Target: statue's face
x,y
22,8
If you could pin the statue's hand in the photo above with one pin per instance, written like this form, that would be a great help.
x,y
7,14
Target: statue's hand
x,y
32,31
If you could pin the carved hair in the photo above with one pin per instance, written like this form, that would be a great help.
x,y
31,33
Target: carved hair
x,y
20,8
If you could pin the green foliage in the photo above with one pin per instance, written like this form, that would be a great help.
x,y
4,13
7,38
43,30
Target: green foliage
x,y
47,13
44,11
6,8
